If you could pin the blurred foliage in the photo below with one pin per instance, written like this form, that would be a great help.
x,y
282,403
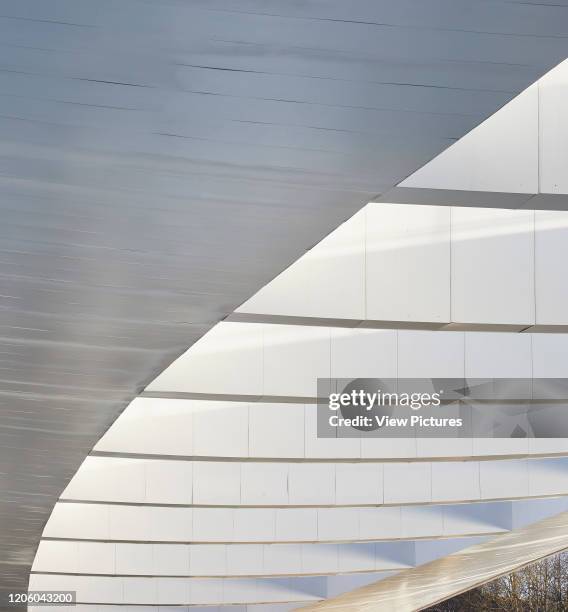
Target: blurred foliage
x,y
539,587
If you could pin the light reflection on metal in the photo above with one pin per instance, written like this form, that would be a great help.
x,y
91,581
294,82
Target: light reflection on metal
x,y
433,582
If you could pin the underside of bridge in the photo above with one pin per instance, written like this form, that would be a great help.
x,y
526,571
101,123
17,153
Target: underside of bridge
x,y
208,205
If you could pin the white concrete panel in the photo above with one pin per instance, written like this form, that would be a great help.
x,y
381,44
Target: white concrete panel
x,y
228,359
129,522
356,557
149,523
208,559
347,582
296,524
45,582
264,484
170,524
220,429
548,446
358,483
407,482
282,559
476,518
408,262
213,524
134,559
363,353
497,355
245,559
501,154
96,558
140,590
255,524
172,591
205,592
108,479
295,356
268,608
171,559
237,590
322,558
78,521
276,430
526,512
338,524
379,523
500,446
311,484
330,448
327,281
444,447
216,483
548,476
421,521
169,482
504,479
492,266
98,589
427,551
388,448
551,248
56,557
455,480
149,425
553,122
550,355
394,555
430,354
289,589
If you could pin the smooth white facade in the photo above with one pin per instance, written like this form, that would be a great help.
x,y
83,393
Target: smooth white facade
x,y
461,266
501,154
520,149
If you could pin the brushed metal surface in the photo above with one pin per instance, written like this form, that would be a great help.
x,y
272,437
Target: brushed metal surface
x,y
160,160
431,583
